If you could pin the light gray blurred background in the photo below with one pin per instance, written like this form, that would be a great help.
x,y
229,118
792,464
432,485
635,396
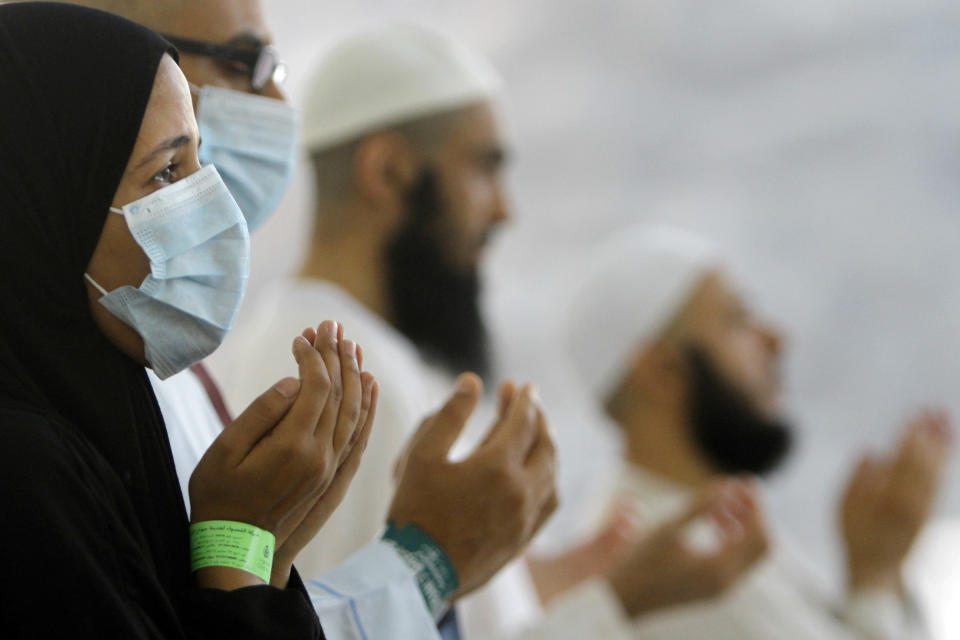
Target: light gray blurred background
x,y
818,141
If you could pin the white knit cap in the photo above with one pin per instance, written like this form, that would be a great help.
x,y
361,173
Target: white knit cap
x,y
387,76
634,286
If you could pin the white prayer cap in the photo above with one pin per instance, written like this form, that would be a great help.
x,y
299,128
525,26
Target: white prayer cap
x,y
634,286
387,76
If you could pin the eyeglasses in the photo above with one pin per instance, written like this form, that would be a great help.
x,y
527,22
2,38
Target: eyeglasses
x,y
263,61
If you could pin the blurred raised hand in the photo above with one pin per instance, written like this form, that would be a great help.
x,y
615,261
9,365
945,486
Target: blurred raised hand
x,y
554,575
889,499
665,569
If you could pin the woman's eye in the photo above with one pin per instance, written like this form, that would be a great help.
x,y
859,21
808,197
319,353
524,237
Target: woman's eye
x,y
166,176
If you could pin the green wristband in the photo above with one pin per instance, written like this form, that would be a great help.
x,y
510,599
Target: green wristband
x,y
222,543
435,574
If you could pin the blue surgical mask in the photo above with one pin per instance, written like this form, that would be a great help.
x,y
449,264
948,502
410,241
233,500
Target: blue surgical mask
x,y
252,140
199,249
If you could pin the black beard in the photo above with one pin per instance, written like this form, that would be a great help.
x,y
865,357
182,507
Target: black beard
x,y
434,304
729,430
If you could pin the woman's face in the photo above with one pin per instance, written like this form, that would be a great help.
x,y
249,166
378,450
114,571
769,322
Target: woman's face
x,y
165,151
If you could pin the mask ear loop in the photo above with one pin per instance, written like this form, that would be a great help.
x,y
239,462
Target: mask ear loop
x,y
95,284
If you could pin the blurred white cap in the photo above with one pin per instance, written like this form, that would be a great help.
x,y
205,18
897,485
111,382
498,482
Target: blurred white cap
x,y
633,287
387,76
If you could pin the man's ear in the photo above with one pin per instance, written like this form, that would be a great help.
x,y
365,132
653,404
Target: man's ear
x,y
662,371
385,167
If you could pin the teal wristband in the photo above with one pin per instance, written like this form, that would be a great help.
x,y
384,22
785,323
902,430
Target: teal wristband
x,y
222,543
435,574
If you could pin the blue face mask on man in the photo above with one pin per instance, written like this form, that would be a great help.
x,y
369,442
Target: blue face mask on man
x,y
252,140
199,250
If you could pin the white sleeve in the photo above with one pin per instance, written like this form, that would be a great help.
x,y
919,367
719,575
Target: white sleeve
x,y
589,611
884,615
372,596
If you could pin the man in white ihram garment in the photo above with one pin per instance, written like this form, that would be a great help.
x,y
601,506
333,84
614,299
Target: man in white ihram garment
x,y
402,129
692,380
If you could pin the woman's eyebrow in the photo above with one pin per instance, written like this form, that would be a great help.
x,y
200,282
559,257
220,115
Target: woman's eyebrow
x,y
166,145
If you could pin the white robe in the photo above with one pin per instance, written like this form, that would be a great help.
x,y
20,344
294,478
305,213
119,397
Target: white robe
x,y
782,598
257,354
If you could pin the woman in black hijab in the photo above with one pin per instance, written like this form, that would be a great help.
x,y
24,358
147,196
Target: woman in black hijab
x,y
94,534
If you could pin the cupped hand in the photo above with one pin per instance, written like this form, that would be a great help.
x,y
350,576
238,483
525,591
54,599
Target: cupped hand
x,y
484,509
666,569
270,467
889,499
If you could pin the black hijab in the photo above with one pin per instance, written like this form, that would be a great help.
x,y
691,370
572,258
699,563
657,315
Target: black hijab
x,y
74,85
92,514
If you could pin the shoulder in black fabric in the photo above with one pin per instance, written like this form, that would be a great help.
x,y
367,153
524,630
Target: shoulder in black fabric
x,y
78,541
74,87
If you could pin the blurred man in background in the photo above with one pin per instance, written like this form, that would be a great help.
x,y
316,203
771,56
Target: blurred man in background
x,y
692,379
408,155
